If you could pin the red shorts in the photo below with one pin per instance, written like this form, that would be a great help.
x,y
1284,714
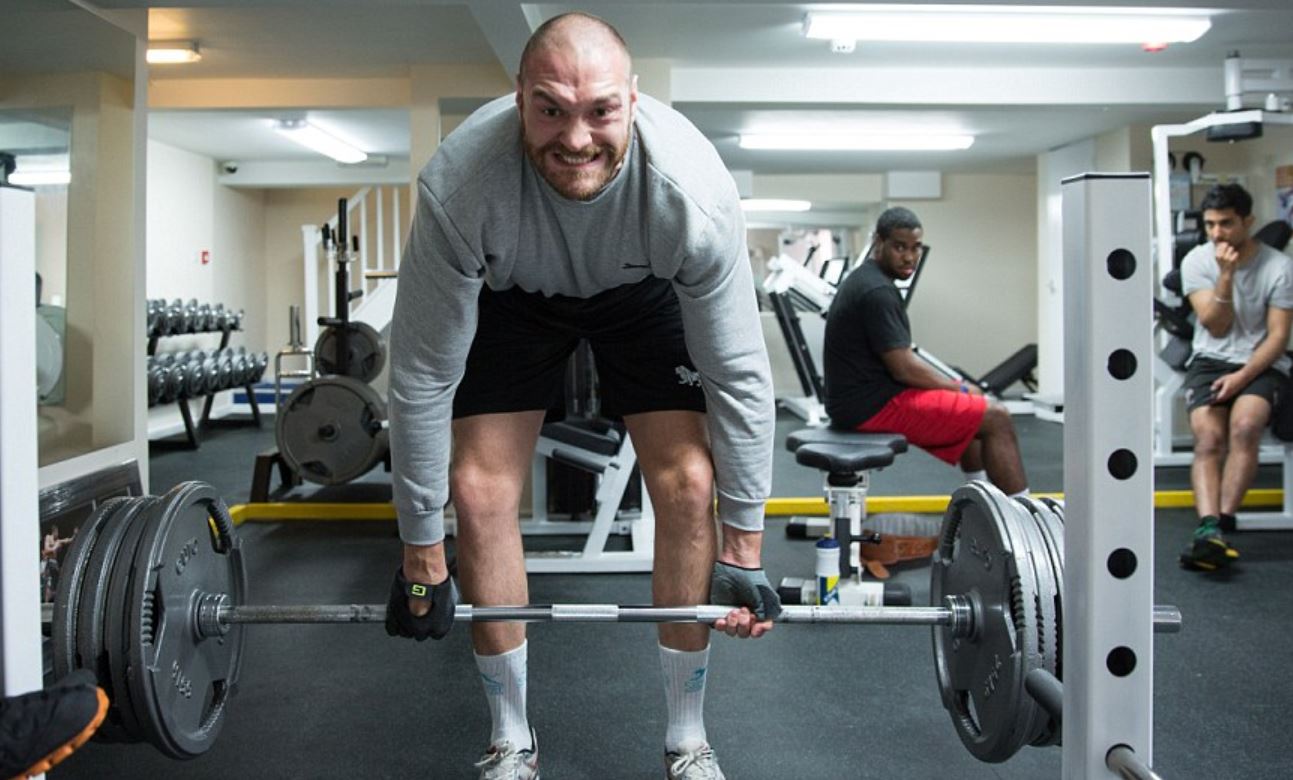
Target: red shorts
x,y
941,422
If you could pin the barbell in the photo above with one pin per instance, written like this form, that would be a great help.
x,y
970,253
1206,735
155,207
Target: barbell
x,y
152,600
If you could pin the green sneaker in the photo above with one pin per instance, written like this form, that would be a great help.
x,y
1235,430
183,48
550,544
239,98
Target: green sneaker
x,y
1208,551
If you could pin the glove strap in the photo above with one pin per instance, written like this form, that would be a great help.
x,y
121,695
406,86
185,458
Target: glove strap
x,y
420,591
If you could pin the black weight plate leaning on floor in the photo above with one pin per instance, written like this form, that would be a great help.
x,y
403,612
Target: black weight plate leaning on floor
x,y
330,430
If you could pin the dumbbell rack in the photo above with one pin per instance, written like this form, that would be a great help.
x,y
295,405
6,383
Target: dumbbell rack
x,y
191,440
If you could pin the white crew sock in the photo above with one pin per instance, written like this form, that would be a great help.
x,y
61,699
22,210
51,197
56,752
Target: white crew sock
x,y
684,695
1021,494
972,475
503,676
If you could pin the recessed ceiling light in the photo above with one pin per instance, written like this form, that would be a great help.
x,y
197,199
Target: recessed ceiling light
x,y
1009,24
311,137
171,52
869,142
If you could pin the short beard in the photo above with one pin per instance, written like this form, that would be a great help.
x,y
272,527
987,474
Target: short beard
x,y
584,186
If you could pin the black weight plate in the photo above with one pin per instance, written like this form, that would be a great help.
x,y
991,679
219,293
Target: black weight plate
x,y
1030,718
1044,607
115,628
180,683
367,354
67,600
1046,523
330,431
92,613
981,678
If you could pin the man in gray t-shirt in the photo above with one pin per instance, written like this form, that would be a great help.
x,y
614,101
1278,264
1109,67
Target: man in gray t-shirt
x,y
1242,292
578,208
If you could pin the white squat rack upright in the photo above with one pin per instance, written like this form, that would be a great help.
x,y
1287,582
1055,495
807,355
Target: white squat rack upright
x,y
1108,476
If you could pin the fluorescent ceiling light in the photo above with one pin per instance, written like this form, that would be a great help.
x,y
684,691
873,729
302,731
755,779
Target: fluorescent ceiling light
x,y
774,204
868,142
40,178
311,137
1009,24
170,52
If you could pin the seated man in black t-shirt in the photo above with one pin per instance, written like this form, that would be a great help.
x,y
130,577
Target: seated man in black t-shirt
x,y
876,382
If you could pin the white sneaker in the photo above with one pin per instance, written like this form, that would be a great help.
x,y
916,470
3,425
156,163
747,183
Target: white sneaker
x,y
698,764
502,761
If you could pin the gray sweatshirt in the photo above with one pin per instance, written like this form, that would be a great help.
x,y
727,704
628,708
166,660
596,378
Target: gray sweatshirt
x,y
485,217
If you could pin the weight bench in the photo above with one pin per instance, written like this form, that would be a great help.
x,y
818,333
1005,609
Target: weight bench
x,y
595,447
846,459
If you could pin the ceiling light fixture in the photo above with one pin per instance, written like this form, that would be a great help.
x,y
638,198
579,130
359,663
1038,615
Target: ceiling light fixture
x,y
857,142
1009,24
311,137
775,204
171,52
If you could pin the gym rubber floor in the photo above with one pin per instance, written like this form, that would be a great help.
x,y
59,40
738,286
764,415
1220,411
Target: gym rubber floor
x,y
804,703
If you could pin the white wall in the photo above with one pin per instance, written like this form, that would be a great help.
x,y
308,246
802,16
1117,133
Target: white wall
x,y
187,213
976,302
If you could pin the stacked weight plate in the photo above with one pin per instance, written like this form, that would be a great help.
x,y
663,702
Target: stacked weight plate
x,y
1008,555
126,609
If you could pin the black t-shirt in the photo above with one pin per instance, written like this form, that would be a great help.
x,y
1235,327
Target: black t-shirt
x,y
866,319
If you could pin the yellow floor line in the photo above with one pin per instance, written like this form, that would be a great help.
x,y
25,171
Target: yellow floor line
x,y
776,507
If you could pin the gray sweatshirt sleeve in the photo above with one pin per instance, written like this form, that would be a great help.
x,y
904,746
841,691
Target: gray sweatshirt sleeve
x,y
720,314
431,332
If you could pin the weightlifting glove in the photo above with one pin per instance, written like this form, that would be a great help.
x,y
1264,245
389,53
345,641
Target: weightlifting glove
x,y
400,621
743,587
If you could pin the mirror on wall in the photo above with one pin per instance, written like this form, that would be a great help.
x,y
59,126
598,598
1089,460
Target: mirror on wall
x,y
67,131
35,150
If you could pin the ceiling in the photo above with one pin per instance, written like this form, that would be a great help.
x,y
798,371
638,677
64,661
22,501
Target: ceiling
x,y
733,67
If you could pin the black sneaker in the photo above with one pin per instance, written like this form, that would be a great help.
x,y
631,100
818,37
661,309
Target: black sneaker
x,y
1208,551
1227,523
40,729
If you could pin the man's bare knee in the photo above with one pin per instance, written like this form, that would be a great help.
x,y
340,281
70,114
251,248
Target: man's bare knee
x,y
996,420
685,486
1247,431
478,491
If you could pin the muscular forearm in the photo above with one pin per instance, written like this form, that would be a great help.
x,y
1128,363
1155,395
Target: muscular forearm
x,y
1218,313
1263,358
1218,316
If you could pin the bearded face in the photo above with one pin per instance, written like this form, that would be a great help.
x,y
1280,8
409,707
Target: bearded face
x,y
576,118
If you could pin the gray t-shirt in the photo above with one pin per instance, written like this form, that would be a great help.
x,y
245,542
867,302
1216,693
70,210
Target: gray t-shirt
x,y
1264,281
486,217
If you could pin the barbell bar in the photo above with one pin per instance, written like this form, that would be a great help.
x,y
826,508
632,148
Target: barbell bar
x,y
152,593
215,616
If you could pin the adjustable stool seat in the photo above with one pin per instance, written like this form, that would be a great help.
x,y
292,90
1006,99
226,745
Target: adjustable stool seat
x,y
894,441
844,458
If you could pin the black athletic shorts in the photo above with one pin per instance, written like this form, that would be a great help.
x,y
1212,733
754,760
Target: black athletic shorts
x,y
518,358
1203,371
